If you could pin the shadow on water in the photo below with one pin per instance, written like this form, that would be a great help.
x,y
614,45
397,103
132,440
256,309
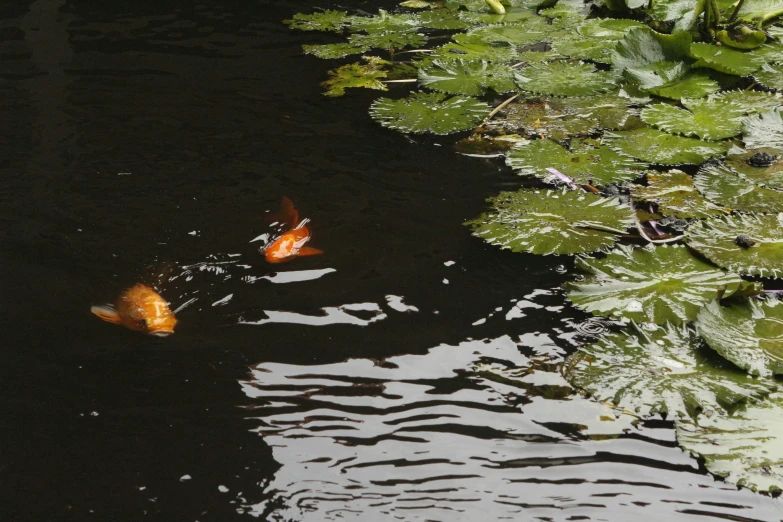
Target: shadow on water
x,y
408,373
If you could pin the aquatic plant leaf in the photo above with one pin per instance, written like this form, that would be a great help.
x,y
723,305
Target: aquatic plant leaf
x,y
745,448
763,130
596,49
467,77
388,41
675,195
356,75
654,146
753,101
328,20
384,23
642,46
772,52
552,222
475,51
709,119
724,59
586,162
334,51
760,255
760,10
763,167
417,4
673,80
684,13
533,31
513,16
665,370
564,79
550,118
442,19
429,112
770,76
748,333
725,187
655,284
609,111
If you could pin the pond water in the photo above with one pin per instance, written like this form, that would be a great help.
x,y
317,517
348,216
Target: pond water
x,y
409,373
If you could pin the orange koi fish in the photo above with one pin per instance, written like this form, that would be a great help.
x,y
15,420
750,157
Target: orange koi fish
x,y
142,309
291,243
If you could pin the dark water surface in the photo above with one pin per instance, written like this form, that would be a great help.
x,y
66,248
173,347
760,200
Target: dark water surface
x,y
407,374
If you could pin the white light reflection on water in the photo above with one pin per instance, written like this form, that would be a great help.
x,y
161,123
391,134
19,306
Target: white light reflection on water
x,y
330,315
481,431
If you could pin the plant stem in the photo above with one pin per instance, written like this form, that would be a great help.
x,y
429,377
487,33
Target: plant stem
x,y
499,107
736,11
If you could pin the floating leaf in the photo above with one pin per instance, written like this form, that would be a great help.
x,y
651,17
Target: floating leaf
x,y
709,119
564,79
429,112
388,41
417,4
356,75
333,51
764,130
654,146
607,28
610,111
552,222
533,32
674,194
442,19
665,370
684,13
746,448
763,167
759,253
753,101
475,51
657,284
673,80
385,23
760,10
472,78
749,333
587,162
642,46
513,16
327,20
770,76
598,50
721,185
724,59
772,52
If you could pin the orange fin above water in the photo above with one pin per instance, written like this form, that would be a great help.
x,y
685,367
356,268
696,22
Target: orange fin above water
x,y
309,251
107,313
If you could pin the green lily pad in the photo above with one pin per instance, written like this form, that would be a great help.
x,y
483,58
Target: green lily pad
x,y
388,41
533,32
656,284
513,16
766,175
725,187
328,20
385,23
709,119
472,78
770,76
753,101
417,4
475,51
654,146
716,239
429,112
675,195
442,19
609,111
763,130
771,52
564,79
552,222
665,370
684,13
745,448
673,80
760,10
596,49
334,51
724,59
357,75
748,333
642,46
587,162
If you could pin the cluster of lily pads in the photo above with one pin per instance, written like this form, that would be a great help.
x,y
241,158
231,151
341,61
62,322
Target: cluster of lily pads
x,y
650,137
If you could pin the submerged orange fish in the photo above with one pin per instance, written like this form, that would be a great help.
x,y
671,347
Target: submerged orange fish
x,y
140,308
291,243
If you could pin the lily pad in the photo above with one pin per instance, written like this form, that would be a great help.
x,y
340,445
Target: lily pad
x,y
665,370
753,101
654,146
607,28
334,51
675,195
429,112
759,253
763,130
745,448
513,16
328,20
472,77
586,162
388,41
475,51
673,80
642,46
764,167
684,13
748,333
770,76
725,187
442,19
564,79
656,284
596,49
552,222
724,59
709,119
385,23
533,32
357,75
760,10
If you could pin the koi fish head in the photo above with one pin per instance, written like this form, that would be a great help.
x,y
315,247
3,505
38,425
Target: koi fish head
x,y
142,309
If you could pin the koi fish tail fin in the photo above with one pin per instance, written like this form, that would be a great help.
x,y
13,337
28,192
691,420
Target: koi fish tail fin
x,y
309,251
107,313
287,215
